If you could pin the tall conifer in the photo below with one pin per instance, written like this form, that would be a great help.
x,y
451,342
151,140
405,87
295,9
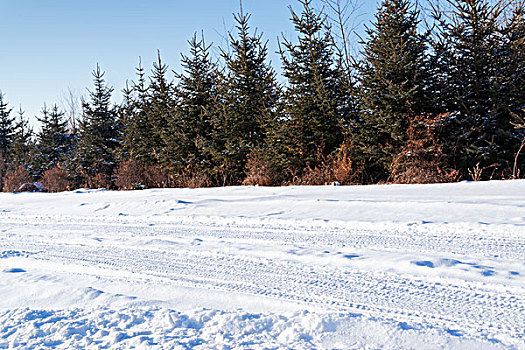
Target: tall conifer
x,y
99,131
311,126
160,111
6,127
23,145
479,130
249,98
137,117
191,133
393,84
53,141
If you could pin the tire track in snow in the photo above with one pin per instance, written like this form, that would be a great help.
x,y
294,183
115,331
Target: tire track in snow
x,y
464,308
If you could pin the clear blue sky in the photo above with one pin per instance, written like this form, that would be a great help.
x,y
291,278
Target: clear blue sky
x,y
47,46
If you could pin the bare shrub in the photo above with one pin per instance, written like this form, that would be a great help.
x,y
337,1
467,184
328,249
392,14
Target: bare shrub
x,y
476,172
133,175
520,125
317,175
344,169
258,172
158,177
338,167
56,180
130,175
14,178
100,180
3,169
422,160
193,177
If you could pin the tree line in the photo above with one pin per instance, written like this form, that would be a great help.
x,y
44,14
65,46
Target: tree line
x,y
435,94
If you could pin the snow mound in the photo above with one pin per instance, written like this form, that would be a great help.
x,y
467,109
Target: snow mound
x,y
204,329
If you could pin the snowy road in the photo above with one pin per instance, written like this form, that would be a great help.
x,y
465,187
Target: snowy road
x,y
107,268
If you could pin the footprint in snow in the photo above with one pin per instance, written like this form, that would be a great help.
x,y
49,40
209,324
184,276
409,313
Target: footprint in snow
x,y
404,326
9,253
424,263
351,256
454,332
486,271
14,270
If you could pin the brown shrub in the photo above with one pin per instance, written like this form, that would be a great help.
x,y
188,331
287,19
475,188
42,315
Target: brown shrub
x,y
422,160
193,177
337,167
3,169
134,175
157,177
14,178
56,180
130,175
100,180
258,172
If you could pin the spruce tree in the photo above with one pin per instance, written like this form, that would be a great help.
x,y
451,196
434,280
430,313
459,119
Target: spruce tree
x,y
126,114
250,95
23,146
160,111
6,137
311,127
191,130
393,84
53,141
479,130
98,134
512,54
137,119
6,127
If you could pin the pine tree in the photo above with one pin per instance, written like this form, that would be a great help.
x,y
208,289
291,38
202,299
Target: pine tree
x,y
479,130
191,130
311,127
98,135
250,95
393,84
53,141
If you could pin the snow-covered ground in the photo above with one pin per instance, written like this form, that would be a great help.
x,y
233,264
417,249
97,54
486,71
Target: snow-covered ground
x,y
395,267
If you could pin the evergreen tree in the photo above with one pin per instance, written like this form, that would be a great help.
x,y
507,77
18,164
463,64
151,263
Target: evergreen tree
x,y
250,95
190,139
53,141
393,84
479,130
126,116
23,146
6,127
141,138
98,134
311,127
6,137
512,54
160,112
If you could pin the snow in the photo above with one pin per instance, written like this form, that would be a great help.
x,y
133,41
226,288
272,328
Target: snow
x,y
334,267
